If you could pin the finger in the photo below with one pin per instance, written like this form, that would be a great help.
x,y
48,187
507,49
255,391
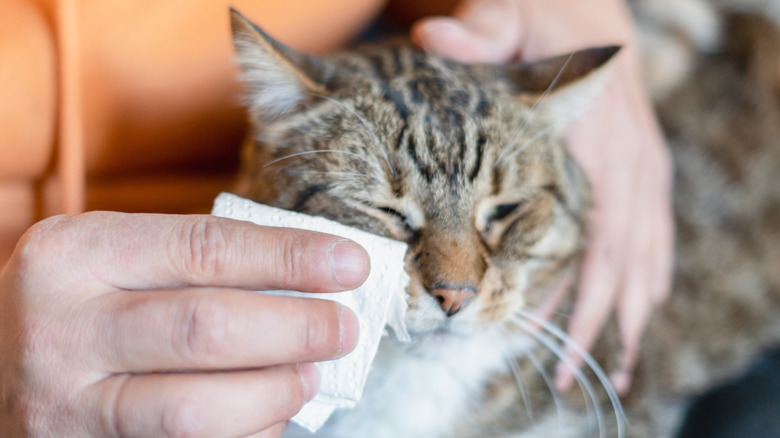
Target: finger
x,y
633,310
274,431
486,31
601,271
635,298
202,405
650,255
138,251
216,329
664,255
594,301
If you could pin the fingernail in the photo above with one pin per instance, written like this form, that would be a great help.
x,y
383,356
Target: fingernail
x,y
440,29
349,263
310,376
349,330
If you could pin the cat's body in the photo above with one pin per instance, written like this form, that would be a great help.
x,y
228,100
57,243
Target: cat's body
x,y
460,162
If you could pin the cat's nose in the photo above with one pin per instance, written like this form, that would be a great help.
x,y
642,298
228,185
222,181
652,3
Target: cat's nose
x,y
452,300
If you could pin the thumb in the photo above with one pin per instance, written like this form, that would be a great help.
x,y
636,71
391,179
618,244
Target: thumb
x,y
479,31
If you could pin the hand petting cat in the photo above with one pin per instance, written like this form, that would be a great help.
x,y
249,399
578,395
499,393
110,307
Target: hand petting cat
x,y
627,263
142,325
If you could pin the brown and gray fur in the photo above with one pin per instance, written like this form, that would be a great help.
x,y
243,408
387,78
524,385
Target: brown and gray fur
x,y
466,164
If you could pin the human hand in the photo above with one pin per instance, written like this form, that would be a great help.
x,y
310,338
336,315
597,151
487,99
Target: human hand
x,y
143,325
627,264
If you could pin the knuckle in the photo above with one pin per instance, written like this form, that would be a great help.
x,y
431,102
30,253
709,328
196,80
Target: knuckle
x,y
290,393
288,262
57,237
274,431
205,246
182,418
37,244
295,394
320,334
113,419
207,325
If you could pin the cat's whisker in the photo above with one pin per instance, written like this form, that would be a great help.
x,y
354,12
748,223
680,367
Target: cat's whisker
x,y
319,151
591,401
532,114
527,143
522,386
589,361
316,172
510,145
553,83
548,381
542,309
370,131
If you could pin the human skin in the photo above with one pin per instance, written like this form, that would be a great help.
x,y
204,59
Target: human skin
x,y
627,263
143,325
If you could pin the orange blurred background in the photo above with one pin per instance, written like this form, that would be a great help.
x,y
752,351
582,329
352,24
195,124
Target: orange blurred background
x,y
133,106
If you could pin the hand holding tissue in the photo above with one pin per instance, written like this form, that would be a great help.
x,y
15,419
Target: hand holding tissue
x,y
379,302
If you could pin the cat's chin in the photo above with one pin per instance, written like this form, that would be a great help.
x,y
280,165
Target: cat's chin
x,y
437,335
435,342
443,346
433,345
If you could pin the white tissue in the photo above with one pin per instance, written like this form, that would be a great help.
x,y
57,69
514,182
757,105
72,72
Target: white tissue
x,y
380,301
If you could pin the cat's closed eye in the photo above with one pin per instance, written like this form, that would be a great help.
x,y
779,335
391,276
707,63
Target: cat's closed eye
x,y
499,214
502,211
497,218
404,223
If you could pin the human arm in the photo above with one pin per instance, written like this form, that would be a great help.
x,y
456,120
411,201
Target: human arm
x,y
143,325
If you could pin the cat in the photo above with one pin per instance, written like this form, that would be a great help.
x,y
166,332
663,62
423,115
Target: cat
x,y
466,164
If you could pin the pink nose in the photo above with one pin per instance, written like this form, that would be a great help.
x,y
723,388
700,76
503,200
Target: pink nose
x,y
452,300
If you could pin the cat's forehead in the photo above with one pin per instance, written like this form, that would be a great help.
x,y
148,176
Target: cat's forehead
x,y
402,72
443,124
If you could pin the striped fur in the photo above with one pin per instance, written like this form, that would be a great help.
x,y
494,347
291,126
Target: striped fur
x,y
466,164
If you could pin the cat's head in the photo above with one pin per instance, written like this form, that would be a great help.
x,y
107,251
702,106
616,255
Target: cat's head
x,y
463,162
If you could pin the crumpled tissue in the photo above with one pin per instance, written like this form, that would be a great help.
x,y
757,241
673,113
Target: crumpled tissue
x,y
379,302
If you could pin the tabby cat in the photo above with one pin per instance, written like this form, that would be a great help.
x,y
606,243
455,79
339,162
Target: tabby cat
x,y
466,164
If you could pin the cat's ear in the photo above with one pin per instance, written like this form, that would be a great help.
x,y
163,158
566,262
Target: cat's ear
x,y
278,79
563,87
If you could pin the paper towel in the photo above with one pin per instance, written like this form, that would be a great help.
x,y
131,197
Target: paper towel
x,y
379,302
